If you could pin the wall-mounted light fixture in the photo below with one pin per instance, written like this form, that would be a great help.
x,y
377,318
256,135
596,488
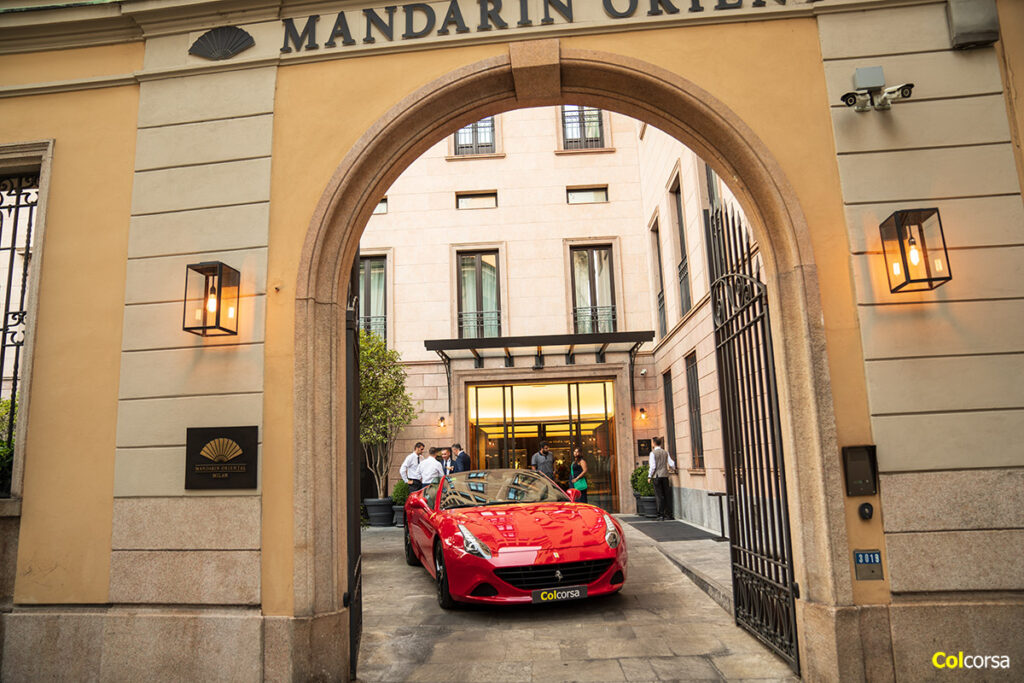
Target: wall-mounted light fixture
x,y
643,414
440,422
915,250
211,299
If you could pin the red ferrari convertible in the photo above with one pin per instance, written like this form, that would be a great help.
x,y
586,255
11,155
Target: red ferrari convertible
x,y
512,536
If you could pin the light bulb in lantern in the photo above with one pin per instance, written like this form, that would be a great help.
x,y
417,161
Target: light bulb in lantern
x,y
915,254
211,300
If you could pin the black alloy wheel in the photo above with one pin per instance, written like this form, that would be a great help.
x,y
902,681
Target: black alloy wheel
x,y
410,554
444,597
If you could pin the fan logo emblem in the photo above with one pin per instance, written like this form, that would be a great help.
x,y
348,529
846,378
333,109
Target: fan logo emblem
x,y
558,575
221,450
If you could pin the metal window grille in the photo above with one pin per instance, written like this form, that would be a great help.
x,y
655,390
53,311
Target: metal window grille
x,y
592,311
373,300
19,198
476,319
476,138
683,269
670,414
582,127
693,402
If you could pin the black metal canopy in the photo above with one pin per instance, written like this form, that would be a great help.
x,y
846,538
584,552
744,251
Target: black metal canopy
x,y
537,347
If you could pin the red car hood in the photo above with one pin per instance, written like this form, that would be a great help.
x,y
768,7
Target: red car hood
x,y
534,527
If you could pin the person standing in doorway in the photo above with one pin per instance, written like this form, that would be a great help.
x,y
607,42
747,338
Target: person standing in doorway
x,y
659,462
461,458
578,474
431,469
410,469
543,461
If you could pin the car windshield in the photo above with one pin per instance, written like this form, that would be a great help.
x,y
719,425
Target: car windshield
x,y
498,487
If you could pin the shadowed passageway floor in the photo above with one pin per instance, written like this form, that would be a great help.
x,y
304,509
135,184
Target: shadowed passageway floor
x,y
661,627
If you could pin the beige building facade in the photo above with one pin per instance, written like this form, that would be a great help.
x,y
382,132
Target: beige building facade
x,y
270,156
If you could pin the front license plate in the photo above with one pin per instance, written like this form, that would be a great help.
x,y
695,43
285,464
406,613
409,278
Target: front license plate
x,y
560,594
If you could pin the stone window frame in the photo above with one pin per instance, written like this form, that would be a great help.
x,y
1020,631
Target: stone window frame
x,y
388,254
457,248
606,127
15,157
499,146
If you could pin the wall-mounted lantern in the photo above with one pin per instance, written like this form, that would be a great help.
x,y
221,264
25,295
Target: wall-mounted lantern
x,y
915,250
211,299
440,422
643,414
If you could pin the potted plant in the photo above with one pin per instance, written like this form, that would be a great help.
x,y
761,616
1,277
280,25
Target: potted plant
x,y
643,489
399,494
385,409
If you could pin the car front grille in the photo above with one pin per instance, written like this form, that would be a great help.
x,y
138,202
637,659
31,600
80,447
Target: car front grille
x,y
533,577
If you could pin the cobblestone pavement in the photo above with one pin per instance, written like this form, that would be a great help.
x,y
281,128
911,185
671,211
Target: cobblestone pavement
x,y
661,627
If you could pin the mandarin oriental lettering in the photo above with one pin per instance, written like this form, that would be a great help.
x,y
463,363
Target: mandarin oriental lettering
x,y
425,20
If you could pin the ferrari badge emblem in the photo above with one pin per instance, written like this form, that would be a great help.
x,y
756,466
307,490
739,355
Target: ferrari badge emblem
x,y
558,575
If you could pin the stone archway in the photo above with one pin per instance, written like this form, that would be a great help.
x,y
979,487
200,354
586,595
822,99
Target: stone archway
x,y
540,73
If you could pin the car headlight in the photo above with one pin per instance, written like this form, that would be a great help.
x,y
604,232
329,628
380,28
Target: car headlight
x,y
611,534
473,545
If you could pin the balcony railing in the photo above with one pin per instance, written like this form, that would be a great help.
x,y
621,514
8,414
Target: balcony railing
x,y
479,324
686,303
662,323
374,324
591,319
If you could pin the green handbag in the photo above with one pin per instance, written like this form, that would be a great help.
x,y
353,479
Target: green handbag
x,y
580,484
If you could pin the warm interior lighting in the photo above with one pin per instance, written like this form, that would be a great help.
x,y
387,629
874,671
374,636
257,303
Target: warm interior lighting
x,y
915,255
914,250
211,300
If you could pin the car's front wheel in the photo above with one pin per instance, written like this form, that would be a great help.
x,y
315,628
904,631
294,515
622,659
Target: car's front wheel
x,y
444,596
410,554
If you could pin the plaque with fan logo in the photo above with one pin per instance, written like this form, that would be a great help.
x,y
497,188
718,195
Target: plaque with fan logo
x,y
221,457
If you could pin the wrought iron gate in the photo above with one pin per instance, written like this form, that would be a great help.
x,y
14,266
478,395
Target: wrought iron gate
x,y
354,595
762,567
19,199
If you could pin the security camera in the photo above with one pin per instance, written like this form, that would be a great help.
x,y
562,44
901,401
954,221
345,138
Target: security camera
x,y
893,93
860,100
643,372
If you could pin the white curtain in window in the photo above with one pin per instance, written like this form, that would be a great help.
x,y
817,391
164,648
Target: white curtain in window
x,y
489,286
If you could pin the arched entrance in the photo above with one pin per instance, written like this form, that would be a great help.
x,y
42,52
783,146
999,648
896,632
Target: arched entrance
x,y
533,74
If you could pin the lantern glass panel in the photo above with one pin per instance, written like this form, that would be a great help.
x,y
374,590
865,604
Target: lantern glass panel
x,y
914,248
211,299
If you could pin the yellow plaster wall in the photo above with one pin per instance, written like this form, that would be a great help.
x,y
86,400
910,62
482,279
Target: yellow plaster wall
x,y
66,65
64,543
779,93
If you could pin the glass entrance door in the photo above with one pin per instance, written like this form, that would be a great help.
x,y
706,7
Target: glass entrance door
x,y
508,422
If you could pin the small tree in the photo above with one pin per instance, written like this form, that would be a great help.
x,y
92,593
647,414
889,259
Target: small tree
x,y
385,407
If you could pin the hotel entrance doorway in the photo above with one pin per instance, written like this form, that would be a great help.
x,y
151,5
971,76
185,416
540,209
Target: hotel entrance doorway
x,y
507,423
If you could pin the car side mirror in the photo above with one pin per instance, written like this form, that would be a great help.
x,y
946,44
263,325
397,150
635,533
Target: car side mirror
x,y
574,495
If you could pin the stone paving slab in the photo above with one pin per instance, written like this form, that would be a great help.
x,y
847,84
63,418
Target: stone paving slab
x,y
661,627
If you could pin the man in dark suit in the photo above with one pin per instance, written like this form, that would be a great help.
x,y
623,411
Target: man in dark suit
x,y
461,458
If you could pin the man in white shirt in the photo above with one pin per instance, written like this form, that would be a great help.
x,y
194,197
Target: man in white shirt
x,y
659,463
410,469
430,469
